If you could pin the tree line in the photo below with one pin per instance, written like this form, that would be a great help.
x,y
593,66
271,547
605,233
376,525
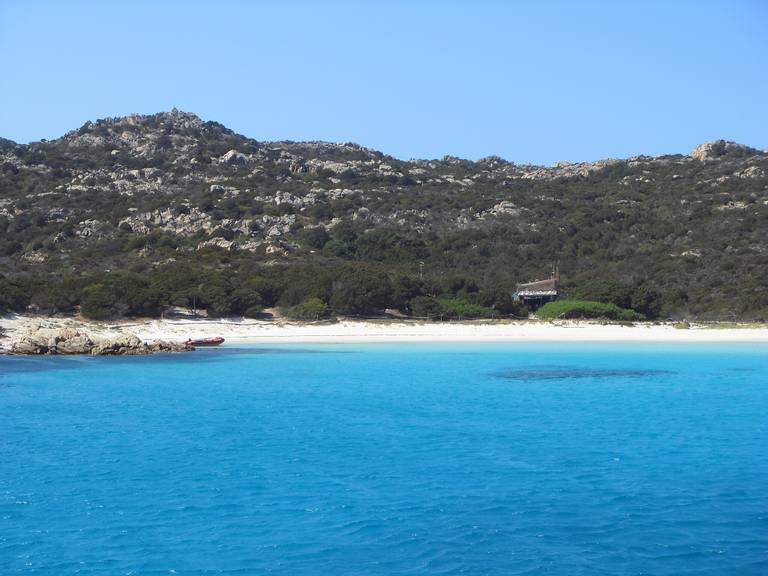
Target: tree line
x,y
303,292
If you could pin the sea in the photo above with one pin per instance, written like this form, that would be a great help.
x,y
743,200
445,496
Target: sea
x,y
368,459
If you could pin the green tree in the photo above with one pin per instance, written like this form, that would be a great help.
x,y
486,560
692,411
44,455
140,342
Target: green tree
x,y
360,291
14,295
98,302
309,309
426,307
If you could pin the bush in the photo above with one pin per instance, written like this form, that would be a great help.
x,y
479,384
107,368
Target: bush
x,y
52,298
586,309
14,295
389,245
121,294
361,291
460,308
143,300
339,249
501,301
309,309
245,301
641,298
98,302
314,237
426,307
299,284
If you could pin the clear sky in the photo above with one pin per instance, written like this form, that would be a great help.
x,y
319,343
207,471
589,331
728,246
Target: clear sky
x,y
531,81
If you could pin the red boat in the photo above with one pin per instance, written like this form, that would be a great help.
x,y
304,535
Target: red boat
x,y
205,341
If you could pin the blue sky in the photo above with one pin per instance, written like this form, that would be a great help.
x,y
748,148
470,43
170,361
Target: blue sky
x,y
535,81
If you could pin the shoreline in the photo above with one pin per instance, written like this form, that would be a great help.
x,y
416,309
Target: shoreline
x,y
237,331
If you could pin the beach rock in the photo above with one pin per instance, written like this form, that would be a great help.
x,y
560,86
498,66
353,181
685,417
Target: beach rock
x,y
167,346
24,346
120,345
38,341
68,340
78,344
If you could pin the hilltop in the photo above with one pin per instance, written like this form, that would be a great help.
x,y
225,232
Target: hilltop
x,y
134,213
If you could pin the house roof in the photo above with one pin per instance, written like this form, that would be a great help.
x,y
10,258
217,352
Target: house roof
x,y
549,286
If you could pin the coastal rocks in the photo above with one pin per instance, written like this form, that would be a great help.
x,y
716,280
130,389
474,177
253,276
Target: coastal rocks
x,y
76,344
66,341
130,345
53,341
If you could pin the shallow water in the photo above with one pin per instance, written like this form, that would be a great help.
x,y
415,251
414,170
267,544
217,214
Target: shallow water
x,y
388,459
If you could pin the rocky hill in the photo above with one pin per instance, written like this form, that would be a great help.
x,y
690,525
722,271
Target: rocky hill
x,y
169,195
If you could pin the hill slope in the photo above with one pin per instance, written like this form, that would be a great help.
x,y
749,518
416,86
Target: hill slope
x,y
187,209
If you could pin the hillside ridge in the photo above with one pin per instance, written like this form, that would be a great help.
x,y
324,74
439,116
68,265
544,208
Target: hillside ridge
x,y
145,193
182,121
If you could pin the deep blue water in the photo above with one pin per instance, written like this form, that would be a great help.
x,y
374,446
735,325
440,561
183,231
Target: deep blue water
x,y
388,459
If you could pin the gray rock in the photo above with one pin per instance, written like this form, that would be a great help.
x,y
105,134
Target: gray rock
x,y
70,341
235,158
79,344
721,148
217,242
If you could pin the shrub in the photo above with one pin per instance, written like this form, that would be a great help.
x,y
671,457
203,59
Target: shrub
x,y
246,301
121,294
14,295
309,309
51,298
426,307
586,309
460,308
339,249
314,237
299,284
361,291
98,302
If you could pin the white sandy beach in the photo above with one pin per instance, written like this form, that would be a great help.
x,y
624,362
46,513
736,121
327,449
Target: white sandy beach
x,y
256,332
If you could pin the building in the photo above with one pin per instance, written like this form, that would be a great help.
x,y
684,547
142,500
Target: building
x,y
535,294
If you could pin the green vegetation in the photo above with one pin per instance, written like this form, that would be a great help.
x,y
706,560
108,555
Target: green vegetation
x,y
461,308
586,309
309,309
120,233
426,307
98,303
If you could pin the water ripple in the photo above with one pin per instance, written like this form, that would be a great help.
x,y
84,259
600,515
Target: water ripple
x,y
385,461
543,373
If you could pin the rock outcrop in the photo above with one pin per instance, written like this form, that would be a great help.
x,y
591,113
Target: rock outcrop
x,y
66,341
721,148
235,158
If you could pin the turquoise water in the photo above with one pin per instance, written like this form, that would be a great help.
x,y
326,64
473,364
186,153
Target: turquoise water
x,y
388,459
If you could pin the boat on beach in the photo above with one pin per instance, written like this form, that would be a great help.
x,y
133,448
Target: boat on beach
x,y
205,341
